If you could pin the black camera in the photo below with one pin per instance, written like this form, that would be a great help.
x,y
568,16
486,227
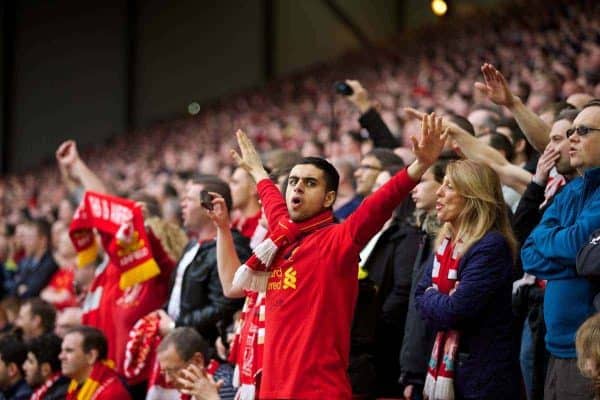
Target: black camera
x,y
343,88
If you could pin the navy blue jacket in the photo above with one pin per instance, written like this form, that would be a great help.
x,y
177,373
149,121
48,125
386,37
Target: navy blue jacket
x,y
480,309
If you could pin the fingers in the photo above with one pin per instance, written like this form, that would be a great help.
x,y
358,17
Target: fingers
x,y
413,113
236,157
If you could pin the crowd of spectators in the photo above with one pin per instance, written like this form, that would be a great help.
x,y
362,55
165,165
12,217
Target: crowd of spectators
x,y
514,88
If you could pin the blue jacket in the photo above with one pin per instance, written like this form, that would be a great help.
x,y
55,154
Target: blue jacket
x,y
480,309
550,252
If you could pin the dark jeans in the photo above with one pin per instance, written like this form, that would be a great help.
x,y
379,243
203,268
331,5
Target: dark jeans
x,y
565,382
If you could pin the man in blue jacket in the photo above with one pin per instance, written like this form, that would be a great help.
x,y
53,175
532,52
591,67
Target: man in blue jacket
x,y
550,252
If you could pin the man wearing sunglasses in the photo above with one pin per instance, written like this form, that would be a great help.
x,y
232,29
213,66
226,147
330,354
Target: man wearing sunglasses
x,y
550,251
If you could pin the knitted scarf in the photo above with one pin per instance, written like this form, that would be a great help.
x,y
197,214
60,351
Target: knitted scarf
x,y
40,393
102,375
121,225
254,273
247,347
439,383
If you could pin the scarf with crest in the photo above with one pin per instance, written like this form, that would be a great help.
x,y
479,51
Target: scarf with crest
x,y
254,273
439,383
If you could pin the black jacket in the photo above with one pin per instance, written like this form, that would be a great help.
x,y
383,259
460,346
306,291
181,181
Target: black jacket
x,y
35,275
418,338
202,303
379,133
58,391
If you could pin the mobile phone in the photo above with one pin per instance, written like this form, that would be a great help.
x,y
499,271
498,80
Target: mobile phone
x,y
343,88
206,200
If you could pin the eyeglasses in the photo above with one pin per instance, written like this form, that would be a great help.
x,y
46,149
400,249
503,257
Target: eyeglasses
x,y
581,130
369,167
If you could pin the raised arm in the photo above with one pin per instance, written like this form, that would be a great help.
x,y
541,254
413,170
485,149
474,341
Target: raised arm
x,y
377,208
496,89
227,257
275,208
69,161
370,119
472,148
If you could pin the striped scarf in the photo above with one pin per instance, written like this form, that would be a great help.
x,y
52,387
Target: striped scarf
x,y
439,383
254,273
102,375
40,393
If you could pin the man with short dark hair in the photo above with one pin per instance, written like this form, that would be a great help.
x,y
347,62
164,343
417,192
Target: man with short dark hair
x,y
42,368
35,318
312,278
38,266
12,356
196,296
83,355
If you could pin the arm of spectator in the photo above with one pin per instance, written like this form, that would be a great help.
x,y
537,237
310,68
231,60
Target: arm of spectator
x,y
68,158
510,175
497,90
377,208
272,200
483,271
370,119
227,258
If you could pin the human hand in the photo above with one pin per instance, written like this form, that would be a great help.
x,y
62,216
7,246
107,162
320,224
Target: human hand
x,y
195,381
495,86
454,288
408,392
249,159
67,154
545,163
219,214
166,323
433,137
359,97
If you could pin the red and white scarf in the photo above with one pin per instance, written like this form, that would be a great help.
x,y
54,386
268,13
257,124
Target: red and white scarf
x,y
121,225
439,383
40,393
247,347
254,273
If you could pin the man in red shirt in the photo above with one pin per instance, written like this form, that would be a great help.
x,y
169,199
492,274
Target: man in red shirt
x,y
313,286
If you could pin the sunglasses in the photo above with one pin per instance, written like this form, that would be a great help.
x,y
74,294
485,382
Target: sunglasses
x,y
581,130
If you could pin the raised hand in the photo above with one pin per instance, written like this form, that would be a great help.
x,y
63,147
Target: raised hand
x,y
67,154
433,137
249,158
198,383
495,86
359,97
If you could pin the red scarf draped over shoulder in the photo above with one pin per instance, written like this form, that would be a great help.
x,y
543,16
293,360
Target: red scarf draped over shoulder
x,y
101,376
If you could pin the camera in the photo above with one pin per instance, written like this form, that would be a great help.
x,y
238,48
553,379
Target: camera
x,y
206,200
343,88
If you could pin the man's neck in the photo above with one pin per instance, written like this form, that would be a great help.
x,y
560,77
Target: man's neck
x,y
207,232
83,375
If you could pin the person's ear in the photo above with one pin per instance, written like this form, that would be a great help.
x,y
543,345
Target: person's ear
x,y
13,370
45,370
198,359
329,198
92,356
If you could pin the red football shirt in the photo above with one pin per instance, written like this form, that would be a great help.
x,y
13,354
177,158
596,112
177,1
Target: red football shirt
x,y
311,296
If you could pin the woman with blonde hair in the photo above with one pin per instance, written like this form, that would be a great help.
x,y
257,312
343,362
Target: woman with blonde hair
x,y
587,343
465,293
